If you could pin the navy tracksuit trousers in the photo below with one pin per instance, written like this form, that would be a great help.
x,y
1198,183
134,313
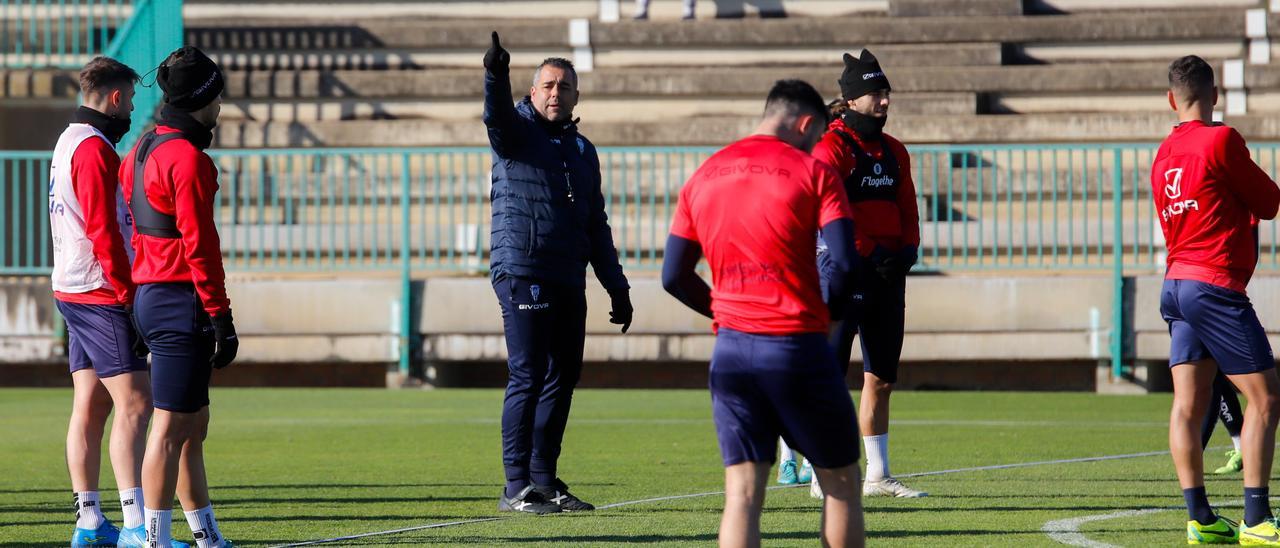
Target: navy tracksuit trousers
x,y
545,326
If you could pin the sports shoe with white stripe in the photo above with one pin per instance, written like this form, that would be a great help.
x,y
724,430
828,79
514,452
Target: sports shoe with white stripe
x,y
527,500
890,487
558,493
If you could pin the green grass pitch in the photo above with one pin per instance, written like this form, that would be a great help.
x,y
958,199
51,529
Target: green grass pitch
x,y
297,465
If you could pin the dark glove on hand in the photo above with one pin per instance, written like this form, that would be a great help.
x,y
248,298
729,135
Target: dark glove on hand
x,y
907,258
140,348
497,60
884,262
224,334
622,310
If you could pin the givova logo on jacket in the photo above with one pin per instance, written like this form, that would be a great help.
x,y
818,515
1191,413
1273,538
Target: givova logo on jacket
x,y
1173,191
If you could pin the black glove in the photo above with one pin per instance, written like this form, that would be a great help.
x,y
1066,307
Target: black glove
x,y
140,348
908,258
885,263
224,334
497,60
622,310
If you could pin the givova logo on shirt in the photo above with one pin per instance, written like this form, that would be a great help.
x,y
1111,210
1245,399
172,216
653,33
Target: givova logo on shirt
x,y
1173,191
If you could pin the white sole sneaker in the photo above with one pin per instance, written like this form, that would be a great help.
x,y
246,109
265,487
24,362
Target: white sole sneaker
x,y
815,490
890,487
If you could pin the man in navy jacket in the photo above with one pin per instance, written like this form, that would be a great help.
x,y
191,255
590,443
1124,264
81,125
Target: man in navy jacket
x,y
548,224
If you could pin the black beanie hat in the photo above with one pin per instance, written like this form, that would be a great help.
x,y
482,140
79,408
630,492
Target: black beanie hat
x,y
190,79
862,76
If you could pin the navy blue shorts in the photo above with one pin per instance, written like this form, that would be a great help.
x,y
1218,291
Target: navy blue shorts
x,y
763,386
1208,321
180,335
100,336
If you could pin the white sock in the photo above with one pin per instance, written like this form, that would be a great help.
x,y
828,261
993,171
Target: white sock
x,y
806,463
787,453
877,456
1235,440
131,504
89,510
158,522
204,527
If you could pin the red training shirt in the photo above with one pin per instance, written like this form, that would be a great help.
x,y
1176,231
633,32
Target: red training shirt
x,y
892,224
181,181
1209,196
93,175
756,208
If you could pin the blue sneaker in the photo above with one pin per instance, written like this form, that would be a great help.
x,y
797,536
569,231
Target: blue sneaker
x,y
787,473
105,535
137,538
806,472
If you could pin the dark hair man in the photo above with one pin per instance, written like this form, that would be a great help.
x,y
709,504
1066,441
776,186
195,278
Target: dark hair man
x,y
1209,196
755,208
549,223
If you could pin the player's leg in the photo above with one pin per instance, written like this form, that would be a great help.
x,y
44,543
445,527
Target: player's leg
x,y
193,485
107,336
787,472
744,489
842,523
526,325
690,9
131,394
87,335
746,429
882,327
90,408
816,415
1210,421
180,334
642,9
1232,417
566,345
1229,328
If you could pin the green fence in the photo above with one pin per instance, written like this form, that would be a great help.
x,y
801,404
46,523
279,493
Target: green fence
x,y
57,33
997,207
1059,207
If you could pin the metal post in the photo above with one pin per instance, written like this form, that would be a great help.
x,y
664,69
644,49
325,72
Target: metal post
x,y
406,285
1117,267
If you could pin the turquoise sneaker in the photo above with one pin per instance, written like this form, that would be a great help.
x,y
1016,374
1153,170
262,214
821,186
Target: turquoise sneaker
x,y
806,472
105,535
137,538
787,473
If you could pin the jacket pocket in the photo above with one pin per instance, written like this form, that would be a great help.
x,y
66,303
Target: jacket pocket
x,y
532,244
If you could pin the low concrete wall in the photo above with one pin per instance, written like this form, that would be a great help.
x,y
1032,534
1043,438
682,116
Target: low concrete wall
x,y
319,332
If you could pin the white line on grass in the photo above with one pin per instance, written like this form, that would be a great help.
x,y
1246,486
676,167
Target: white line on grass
x,y
719,493
1067,531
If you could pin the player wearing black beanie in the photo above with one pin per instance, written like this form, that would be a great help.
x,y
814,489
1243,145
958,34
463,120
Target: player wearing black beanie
x,y
182,309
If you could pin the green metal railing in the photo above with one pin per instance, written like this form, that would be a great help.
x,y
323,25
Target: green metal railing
x,y
1006,207
66,34
57,33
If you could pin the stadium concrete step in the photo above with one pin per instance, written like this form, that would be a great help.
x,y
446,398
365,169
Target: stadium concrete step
x,y
711,83
965,8
417,33
195,10
1087,6
721,130
605,109
372,59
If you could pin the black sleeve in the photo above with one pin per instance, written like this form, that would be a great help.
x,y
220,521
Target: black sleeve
x,y
838,235
500,116
604,256
680,277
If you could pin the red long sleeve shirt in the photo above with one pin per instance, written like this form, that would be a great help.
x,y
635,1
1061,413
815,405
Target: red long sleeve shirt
x,y
180,181
892,223
1209,196
93,175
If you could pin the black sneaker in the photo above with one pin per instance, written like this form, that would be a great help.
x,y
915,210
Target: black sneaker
x,y
527,500
558,494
